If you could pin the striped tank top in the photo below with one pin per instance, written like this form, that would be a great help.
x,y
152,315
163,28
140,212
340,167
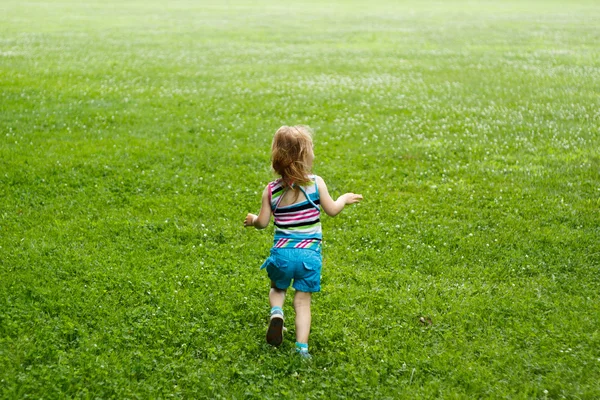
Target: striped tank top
x,y
297,225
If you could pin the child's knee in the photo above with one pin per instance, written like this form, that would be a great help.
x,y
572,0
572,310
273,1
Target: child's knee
x,y
302,299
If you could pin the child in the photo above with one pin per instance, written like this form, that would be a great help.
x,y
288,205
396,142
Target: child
x,y
294,201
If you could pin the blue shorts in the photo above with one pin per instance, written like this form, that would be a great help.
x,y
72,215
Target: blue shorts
x,y
301,265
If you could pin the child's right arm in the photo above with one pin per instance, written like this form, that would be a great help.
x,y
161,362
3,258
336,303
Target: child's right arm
x,y
261,220
331,207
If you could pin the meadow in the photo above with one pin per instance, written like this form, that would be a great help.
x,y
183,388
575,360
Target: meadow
x,y
135,137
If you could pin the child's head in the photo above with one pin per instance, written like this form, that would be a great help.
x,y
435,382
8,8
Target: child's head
x,y
292,154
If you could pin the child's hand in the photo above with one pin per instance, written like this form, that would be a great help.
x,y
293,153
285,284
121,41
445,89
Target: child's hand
x,y
250,218
351,198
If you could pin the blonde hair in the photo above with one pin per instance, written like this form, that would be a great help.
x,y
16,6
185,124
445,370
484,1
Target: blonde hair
x,y
291,154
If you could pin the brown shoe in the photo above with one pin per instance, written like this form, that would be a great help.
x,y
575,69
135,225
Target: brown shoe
x,y
275,331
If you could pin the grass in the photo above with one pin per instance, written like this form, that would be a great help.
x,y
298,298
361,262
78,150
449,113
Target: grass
x,y
134,138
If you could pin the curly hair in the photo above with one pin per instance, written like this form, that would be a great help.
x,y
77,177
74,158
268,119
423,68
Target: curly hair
x,y
292,154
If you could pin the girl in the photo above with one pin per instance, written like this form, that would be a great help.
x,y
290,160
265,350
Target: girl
x,y
295,200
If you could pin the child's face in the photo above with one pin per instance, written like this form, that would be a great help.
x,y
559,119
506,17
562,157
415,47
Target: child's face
x,y
311,154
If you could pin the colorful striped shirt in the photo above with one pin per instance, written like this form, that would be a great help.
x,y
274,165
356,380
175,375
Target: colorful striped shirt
x,y
297,225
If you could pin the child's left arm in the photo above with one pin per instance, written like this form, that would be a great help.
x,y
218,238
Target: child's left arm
x,y
261,220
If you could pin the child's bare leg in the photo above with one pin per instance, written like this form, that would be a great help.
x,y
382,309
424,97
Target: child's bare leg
x,y
302,307
276,296
275,330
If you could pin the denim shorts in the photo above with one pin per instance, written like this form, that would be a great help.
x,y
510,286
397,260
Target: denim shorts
x,y
301,265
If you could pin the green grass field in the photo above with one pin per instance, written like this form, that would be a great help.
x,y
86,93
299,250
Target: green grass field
x,y
134,138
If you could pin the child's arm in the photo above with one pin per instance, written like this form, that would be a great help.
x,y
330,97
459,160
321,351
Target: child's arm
x,y
331,207
261,220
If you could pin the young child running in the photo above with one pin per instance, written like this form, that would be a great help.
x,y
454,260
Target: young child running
x,y
295,200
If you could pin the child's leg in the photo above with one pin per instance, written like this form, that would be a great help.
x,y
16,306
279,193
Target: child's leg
x,y
276,296
302,307
275,330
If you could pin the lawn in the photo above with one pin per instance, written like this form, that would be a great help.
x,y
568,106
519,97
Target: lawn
x,y
135,137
